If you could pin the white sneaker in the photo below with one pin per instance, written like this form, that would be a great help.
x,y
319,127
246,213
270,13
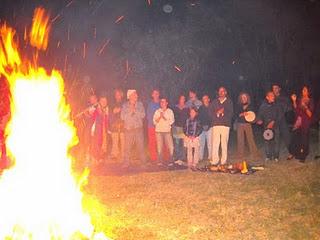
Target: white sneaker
x,y
276,159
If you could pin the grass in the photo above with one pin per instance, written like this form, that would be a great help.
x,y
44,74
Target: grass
x,y
281,202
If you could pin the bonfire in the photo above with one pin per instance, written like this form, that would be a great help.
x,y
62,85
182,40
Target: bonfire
x,y
40,196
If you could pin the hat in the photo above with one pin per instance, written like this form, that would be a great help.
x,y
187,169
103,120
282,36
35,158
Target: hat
x,y
129,92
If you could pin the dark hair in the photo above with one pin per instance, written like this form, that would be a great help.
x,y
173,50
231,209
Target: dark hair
x,y
194,109
308,88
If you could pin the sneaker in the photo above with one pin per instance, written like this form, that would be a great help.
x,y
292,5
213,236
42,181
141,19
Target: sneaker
x,y
170,164
276,159
179,162
267,159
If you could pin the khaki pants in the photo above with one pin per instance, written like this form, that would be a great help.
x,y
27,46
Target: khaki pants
x,y
220,135
117,144
244,131
193,149
164,138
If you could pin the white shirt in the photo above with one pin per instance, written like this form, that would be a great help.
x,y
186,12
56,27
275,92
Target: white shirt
x,y
164,125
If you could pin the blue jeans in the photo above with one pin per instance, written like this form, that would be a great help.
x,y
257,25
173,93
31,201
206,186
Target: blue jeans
x,y
206,138
179,149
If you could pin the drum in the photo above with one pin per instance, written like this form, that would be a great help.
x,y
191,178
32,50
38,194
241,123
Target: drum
x,y
250,116
268,134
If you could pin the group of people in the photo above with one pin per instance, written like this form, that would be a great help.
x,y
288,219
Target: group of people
x,y
194,129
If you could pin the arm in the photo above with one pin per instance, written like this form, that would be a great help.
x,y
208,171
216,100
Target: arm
x,y
140,110
170,116
156,117
124,112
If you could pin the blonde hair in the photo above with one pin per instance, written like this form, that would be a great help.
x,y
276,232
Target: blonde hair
x,y
247,95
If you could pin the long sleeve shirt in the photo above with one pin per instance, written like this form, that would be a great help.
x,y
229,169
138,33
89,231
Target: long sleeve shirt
x,y
180,115
151,109
225,118
133,119
269,112
205,117
192,128
165,123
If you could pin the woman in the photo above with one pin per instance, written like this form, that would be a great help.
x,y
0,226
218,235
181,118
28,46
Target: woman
x,y
244,128
99,130
303,107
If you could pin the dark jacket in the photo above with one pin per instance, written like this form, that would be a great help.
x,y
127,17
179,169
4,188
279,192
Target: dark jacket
x,y
269,112
240,110
225,119
192,128
115,122
180,115
205,117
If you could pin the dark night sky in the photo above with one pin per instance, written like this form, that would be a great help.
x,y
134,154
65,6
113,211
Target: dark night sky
x,y
243,44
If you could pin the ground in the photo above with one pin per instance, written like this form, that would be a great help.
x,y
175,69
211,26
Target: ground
x,y
281,202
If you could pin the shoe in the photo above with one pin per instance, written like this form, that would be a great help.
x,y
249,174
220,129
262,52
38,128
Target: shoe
x,y
290,157
267,159
179,162
317,157
159,164
302,160
170,164
276,159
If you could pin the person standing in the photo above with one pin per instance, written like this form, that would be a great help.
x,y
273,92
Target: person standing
x,y
205,118
132,115
153,105
299,146
222,113
317,119
244,128
116,126
269,115
192,131
193,100
100,130
285,108
181,113
163,119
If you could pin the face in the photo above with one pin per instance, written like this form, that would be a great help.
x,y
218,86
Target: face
x,y
305,92
103,102
182,100
163,103
193,113
133,97
118,95
222,92
192,95
244,98
155,95
276,90
270,97
93,99
205,99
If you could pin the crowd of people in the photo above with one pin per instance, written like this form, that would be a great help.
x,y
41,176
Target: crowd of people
x,y
193,130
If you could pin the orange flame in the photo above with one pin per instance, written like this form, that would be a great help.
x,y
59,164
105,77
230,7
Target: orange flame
x,y
39,35
40,198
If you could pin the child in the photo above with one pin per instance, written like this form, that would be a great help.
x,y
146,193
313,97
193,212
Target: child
x,y
192,130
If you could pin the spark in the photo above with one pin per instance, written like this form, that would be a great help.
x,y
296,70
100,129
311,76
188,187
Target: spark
x,y
177,68
65,64
58,44
69,3
127,66
149,2
103,47
68,33
119,19
55,18
25,34
84,50
95,33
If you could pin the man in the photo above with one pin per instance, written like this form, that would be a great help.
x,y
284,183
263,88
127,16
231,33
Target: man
x,y
163,119
317,119
193,100
269,115
222,112
153,105
181,114
285,108
205,118
132,115
116,126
